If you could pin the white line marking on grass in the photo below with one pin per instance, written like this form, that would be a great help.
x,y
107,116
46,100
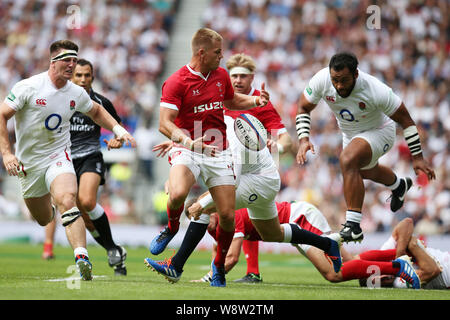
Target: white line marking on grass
x,y
72,278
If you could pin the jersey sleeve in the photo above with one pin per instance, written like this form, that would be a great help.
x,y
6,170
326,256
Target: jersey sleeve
x,y
387,100
171,96
85,103
19,95
314,91
272,120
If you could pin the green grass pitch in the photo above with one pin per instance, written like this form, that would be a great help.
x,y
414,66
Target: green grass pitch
x,y
24,275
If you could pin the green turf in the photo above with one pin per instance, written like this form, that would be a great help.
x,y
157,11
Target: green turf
x,y
24,275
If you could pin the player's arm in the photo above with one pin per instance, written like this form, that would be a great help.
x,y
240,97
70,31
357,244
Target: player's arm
x,y
402,234
233,254
428,268
411,134
102,117
244,102
168,128
303,127
9,159
283,144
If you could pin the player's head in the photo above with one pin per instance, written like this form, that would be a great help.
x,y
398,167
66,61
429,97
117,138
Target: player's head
x,y
83,75
241,68
206,46
343,72
63,58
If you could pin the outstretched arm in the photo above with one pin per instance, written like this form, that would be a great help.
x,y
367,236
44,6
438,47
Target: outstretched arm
x,y
303,125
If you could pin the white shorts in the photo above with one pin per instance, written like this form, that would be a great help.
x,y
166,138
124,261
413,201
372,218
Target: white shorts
x,y
215,171
308,217
257,192
37,183
381,140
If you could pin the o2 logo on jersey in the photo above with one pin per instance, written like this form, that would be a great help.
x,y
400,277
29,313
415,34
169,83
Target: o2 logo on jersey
x,y
347,115
253,197
53,122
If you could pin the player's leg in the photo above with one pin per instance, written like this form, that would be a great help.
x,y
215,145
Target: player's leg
x,y
97,220
251,253
63,188
181,180
356,155
224,197
50,229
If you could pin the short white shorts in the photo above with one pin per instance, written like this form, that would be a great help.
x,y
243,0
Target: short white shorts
x,y
37,183
381,140
257,192
308,217
215,171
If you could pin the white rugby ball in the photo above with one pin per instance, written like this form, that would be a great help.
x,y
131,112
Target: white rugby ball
x,y
250,132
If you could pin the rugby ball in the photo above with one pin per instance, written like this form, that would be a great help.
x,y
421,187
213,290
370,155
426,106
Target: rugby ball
x,y
250,132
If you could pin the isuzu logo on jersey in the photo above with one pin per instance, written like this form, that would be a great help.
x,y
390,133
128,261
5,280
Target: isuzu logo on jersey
x,y
41,102
208,106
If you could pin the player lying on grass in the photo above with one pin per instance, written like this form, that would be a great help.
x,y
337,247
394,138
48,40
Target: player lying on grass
x,y
308,217
432,265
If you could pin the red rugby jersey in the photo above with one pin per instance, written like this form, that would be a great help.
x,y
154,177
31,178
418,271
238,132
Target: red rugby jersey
x,y
199,101
268,116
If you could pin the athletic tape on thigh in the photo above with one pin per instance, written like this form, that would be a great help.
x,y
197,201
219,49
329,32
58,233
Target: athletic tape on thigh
x,y
70,216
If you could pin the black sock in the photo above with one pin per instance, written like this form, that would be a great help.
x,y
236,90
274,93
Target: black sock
x,y
301,236
194,234
104,231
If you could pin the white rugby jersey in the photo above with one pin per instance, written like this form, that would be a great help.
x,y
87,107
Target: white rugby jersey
x,y
245,160
42,118
368,107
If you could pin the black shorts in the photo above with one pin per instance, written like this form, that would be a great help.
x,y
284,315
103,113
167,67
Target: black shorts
x,y
90,163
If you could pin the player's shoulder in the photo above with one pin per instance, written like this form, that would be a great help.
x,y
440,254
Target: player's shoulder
x,y
369,80
33,82
322,74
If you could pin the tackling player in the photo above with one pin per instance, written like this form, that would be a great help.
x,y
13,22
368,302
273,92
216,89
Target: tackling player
x,y
241,68
90,169
308,217
366,111
43,105
191,115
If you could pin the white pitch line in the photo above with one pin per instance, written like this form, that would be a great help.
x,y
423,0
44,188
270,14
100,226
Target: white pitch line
x,y
72,278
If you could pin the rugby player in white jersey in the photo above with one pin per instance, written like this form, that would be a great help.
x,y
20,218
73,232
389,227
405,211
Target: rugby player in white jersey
x,y
43,105
366,111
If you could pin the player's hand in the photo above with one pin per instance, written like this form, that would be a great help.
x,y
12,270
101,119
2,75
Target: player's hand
x,y
264,96
11,164
304,146
272,145
209,150
195,210
163,148
113,143
421,165
128,140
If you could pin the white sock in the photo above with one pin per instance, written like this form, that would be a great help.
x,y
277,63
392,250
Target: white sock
x,y
204,219
80,250
287,232
395,184
353,216
97,212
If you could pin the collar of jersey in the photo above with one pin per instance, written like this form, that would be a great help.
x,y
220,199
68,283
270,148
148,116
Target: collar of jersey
x,y
198,73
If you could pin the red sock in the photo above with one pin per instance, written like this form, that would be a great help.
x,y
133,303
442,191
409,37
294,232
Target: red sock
x,y
224,239
174,218
378,255
250,249
360,269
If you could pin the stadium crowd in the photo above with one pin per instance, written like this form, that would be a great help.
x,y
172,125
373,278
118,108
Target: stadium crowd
x,y
290,40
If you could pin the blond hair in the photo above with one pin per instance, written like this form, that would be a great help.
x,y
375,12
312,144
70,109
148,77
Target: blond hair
x,y
241,60
204,38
